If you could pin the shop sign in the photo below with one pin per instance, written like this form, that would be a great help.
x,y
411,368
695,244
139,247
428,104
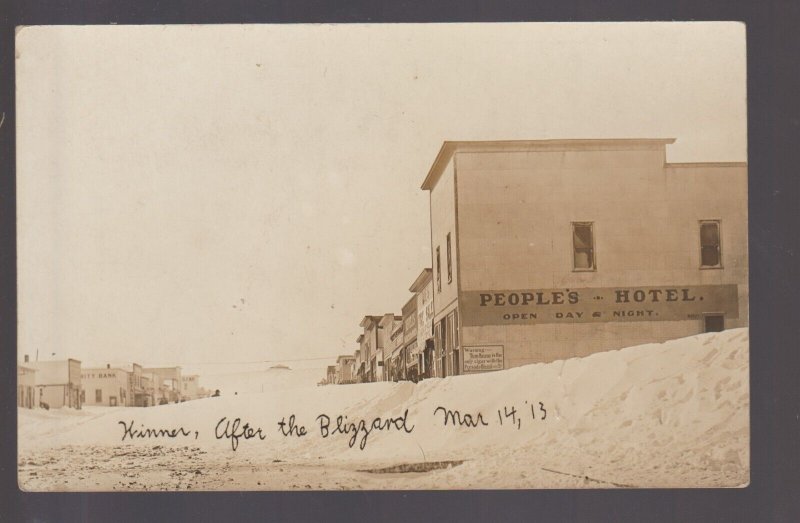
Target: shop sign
x,y
603,304
483,358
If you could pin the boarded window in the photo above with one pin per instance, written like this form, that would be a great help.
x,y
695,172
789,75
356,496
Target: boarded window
x,y
710,249
98,395
583,246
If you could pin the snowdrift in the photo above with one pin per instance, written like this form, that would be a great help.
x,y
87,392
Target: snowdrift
x,y
656,415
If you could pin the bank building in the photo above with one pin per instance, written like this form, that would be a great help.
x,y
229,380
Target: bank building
x,y
552,249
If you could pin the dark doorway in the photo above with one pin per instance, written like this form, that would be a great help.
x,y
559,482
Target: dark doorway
x,y
714,323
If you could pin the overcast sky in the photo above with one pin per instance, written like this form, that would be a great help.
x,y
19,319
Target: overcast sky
x,y
193,194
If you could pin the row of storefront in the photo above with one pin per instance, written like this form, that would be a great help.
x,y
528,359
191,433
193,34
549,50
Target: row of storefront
x,y
545,250
393,347
66,383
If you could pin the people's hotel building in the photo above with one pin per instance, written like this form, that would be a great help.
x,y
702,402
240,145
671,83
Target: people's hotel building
x,y
547,250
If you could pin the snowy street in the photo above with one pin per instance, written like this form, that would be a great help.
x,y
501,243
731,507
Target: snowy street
x,y
658,415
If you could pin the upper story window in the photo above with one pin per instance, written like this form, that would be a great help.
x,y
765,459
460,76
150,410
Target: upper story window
x,y
583,247
449,261
710,247
438,269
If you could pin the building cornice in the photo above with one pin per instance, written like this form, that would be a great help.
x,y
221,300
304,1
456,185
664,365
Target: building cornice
x,y
690,165
424,277
449,148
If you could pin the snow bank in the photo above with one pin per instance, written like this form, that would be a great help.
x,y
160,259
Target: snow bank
x,y
659,415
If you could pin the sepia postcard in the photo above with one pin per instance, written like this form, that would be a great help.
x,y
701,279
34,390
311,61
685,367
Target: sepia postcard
x,y
382,256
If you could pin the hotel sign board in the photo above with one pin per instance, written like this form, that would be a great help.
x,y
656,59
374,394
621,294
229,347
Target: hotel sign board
x,y
483,358
600,304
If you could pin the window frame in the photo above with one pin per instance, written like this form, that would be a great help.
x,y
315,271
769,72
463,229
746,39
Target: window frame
x,y
593,248
451,332
700,224
456,330
438,269
449,260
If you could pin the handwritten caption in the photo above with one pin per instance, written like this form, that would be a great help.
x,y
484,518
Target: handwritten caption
x,y
355,432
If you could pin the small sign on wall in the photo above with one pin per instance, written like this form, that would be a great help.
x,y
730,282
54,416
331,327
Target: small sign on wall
x,y
483,358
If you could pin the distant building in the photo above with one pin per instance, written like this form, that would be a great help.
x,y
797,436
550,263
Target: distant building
x,y
553,249
26,387
368,342
386,326
58,383
423,291
344,369
168,382
330,376
395,367
154,387
190,387
149,391
106,386
410,351
113,384
355,366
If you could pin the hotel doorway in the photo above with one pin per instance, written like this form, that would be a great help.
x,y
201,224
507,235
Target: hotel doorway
x,y
713,323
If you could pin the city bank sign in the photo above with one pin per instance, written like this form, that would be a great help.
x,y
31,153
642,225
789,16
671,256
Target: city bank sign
x,y
603,304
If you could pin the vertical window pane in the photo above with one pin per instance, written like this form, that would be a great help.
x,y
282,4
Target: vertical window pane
x,y
710,256
583,260
455,328
449,261
443,334
583,237
710,252
583,246
709,234
438,270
